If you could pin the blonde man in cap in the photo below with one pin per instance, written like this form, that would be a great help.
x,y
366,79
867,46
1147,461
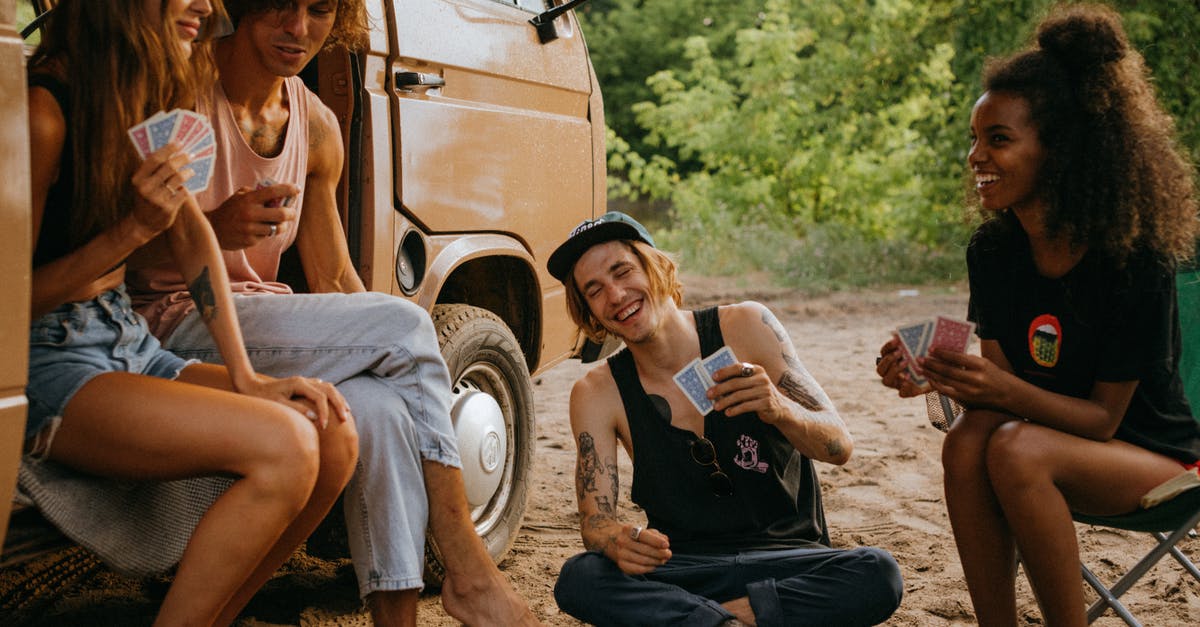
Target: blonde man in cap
x,y
735,531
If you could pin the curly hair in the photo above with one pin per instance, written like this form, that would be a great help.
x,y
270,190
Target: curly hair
x,y
350,27
1114,176
661,273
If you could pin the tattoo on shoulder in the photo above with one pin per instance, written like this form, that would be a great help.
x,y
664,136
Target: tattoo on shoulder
x,y
202,294
786,349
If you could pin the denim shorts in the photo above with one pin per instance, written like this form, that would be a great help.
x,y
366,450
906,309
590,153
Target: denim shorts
x,y
77,341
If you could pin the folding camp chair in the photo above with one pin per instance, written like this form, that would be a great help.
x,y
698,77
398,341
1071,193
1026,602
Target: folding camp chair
x,y
1176,519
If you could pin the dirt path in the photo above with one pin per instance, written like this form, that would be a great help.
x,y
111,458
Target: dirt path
x,y
888,495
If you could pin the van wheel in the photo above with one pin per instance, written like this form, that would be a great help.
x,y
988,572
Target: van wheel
x,y
492,410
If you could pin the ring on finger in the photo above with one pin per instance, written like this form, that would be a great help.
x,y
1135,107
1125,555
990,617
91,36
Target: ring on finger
x,y
747,369
636,533
274,230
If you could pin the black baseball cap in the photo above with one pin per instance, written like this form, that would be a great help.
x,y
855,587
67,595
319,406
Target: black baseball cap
x,y
611,226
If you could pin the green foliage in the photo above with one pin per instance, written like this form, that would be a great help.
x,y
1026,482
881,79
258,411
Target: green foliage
x,y
825,142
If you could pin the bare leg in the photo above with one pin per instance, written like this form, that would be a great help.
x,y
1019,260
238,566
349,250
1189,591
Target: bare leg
x,y
1040,475
984,541
338,451
741,609
130,426
394,608
475,591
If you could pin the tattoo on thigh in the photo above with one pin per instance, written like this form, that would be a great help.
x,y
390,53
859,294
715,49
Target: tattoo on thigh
x,y
202,294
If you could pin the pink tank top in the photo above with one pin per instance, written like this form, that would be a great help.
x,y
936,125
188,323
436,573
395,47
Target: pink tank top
x,y
159,293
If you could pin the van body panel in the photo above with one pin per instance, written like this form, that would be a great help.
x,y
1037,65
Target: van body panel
x,y
15,257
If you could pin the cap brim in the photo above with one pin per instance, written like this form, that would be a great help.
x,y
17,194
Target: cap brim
x,y
565,256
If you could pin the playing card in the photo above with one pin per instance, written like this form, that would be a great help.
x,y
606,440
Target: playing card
x,y
191,140
203,153
186,121
914,336
951,334
141,139
203,174
695,388
203,141
274,202
161,127
716,361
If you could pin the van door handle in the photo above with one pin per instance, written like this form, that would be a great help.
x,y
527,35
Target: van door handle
x,y
419,80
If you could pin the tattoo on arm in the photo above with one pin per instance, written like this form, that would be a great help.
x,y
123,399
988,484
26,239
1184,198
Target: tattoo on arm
x,y
793,386
202,293
589,463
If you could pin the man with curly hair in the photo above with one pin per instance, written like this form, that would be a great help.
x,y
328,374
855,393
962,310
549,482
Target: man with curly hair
x,y
279,158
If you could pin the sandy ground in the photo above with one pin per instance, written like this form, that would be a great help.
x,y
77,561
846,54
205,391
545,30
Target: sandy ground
x,y
888,495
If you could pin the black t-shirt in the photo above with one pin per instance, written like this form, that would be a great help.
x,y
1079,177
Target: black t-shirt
x,y
53,241
1098,322
776,500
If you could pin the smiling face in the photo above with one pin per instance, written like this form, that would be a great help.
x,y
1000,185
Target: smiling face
x,y
616,288
1006,153
284,40
185,16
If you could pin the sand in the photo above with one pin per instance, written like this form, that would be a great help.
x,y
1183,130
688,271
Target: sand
x,y
888,495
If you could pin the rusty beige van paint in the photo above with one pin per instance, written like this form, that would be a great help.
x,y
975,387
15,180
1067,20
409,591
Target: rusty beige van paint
x,y
15,256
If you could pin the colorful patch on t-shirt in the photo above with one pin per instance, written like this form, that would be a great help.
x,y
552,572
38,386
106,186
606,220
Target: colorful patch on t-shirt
x,y
1045,340
747,458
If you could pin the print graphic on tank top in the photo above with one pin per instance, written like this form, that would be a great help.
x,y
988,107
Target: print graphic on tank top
x,y
1045,340
748,457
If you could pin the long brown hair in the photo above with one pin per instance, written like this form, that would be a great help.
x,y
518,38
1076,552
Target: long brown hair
x,y
119,70
1114,177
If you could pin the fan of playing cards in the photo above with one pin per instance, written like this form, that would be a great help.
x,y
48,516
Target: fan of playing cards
x,y
190,130
696,378
917,339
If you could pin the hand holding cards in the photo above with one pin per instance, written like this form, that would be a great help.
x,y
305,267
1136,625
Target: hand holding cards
x,y
696,378
919,338
190,130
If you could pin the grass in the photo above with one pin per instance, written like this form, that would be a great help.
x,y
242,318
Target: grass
x,y
826,259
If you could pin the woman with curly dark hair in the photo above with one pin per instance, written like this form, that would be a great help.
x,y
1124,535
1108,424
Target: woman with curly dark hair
x,y
1076,403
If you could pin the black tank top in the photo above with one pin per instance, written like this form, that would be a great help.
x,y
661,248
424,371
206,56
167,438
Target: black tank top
x,y
776,500
53,240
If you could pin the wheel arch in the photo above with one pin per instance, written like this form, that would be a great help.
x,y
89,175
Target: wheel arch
x,y
495,273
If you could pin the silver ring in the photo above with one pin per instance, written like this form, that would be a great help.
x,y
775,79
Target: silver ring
x,y
637,531
747,369
274,230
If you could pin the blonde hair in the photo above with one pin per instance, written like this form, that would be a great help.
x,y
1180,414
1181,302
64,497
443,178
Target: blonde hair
x,y
661,273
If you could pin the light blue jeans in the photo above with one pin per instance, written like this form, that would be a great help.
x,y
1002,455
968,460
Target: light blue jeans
x,y
382,353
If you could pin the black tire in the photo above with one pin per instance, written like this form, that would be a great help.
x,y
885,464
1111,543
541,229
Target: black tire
x,y
482,354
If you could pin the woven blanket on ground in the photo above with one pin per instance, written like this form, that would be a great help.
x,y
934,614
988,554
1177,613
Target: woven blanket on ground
x,y
137,528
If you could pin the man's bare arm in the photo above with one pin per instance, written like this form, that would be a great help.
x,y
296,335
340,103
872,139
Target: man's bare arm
x,y
596,479
787,395
320,238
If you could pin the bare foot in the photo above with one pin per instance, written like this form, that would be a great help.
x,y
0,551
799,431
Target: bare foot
x,y
485,601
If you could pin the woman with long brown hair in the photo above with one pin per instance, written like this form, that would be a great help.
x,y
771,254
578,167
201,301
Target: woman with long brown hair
x,y
105,398
1076,403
